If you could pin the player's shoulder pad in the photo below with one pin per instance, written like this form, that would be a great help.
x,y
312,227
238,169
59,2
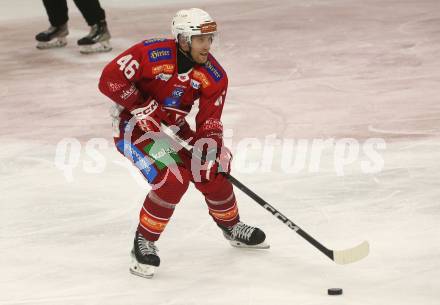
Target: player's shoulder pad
x,y
214,71
159,49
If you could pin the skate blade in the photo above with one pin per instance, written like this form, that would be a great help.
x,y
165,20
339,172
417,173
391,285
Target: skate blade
x,y
99,47
238,244
56,43
142,270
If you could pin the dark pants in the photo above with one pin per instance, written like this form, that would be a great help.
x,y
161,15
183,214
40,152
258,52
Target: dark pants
x,y
57,11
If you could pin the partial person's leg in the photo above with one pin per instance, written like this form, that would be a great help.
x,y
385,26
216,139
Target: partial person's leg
x,y
91,11
55,36
56,11
98,39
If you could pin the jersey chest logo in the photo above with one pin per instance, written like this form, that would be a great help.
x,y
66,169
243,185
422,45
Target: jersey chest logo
x,y
163,76
183,77
159,54
195,84
174,99
166,68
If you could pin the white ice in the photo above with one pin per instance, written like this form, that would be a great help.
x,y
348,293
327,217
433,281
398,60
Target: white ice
x,y
317,69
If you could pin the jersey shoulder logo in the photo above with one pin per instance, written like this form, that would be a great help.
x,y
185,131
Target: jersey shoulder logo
x,y
202,78
159,54
213,70
153,40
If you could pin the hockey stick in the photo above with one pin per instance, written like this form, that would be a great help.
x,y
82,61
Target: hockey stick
x,y
340,257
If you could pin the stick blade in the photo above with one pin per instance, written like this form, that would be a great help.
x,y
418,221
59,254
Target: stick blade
x,y
348,256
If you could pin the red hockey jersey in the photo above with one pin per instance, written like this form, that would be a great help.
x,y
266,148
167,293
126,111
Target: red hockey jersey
x,y
149,69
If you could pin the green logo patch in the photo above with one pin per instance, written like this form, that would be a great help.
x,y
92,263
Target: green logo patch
x,y
162,153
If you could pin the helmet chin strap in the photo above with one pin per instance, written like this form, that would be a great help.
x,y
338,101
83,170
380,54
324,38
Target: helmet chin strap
x,y
185,62
187,54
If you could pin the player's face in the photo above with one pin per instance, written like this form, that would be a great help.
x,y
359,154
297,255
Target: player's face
x,y
200,46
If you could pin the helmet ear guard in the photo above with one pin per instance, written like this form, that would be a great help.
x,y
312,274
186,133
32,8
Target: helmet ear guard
x,y
184,37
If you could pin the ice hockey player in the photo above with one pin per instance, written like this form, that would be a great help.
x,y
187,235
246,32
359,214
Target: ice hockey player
x,y
158,80
98,39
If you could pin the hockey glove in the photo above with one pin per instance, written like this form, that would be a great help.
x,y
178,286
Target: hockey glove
x,y
149,116
209,152
210,169
185,132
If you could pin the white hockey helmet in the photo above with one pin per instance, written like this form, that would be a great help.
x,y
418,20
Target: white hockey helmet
x,y
193,21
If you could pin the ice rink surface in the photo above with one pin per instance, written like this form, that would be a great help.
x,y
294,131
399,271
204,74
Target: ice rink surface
x,y
307,70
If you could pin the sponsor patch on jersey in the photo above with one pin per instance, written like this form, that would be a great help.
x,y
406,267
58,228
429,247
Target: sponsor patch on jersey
x,y
213,71
174,99
199,76
180,86
153,40
139,159
163,154
164,77
159,54
167,68
129,92
171,102
115,86
195,84
211,125
178,92
183,77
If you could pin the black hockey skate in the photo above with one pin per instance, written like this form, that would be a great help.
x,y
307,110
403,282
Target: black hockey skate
x,y
144,257
53,37
243,236
98,40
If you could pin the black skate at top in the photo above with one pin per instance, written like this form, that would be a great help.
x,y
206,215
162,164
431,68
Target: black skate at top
x,y
145,251
98,32
244,233
52,32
